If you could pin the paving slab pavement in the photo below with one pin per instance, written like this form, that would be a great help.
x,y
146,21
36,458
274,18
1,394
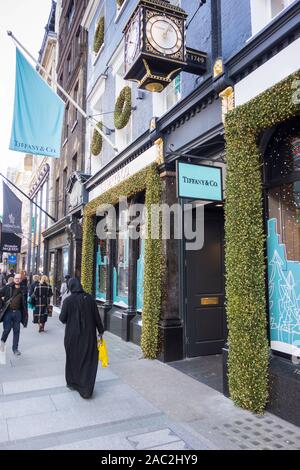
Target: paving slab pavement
x,y
137,404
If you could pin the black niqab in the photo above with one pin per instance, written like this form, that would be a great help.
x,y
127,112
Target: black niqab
x,y
75,286
81,316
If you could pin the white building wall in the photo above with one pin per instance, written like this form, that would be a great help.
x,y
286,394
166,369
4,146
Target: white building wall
x,y
276,69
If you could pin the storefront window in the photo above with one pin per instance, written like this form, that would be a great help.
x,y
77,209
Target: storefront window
x,y
283,246
52,268
65,261
283,154
284,206
140,276
101,270
121,268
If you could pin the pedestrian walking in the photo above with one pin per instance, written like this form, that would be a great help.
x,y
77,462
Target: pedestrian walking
x,y
41,299
24,286
82,319
33,285
2,279
35,282
15,314
64,290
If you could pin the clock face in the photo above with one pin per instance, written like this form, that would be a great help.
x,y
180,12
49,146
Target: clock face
x,y
164,35
132,41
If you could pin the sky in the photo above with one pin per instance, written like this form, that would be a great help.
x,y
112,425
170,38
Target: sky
x,y
27,20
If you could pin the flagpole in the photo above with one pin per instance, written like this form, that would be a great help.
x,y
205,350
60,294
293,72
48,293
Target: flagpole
x,y
62,90
25,195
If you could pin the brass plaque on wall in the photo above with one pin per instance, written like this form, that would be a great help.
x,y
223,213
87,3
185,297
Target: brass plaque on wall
x,y
210,301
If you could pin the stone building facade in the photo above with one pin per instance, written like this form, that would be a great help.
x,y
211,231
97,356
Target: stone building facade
x,y
64,236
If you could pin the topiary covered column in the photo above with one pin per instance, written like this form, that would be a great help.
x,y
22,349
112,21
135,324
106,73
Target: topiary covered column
x,y
245,242
149,180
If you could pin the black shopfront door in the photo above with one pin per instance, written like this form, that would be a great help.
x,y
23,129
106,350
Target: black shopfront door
x,y
206,328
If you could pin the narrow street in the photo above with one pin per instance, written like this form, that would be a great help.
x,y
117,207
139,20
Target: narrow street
x,y
137,405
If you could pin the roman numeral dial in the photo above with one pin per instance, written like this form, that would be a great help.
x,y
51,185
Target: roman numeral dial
x,y
164,35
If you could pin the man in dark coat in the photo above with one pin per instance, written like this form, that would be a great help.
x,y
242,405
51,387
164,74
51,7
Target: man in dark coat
x,y
81,316
15,314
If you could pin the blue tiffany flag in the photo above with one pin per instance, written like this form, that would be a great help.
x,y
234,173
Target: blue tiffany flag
x,y
38,113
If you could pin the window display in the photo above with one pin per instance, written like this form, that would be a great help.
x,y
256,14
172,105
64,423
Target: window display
x,y
101,270
283,244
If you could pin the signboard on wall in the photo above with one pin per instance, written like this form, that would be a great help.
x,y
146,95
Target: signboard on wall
x,y
200,182
10,243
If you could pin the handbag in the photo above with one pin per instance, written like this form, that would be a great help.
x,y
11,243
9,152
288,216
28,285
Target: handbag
x,y
50,310
103,354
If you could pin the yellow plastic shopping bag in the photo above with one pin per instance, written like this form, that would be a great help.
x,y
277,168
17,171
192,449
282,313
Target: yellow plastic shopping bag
x,y
103,355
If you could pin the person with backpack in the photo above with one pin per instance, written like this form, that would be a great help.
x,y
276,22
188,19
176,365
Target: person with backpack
x,y
13,313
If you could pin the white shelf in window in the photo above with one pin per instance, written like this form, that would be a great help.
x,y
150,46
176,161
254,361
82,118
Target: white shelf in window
x,y
121,304
98,55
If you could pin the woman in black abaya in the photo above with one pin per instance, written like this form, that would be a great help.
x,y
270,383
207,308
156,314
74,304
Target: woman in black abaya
x,y
81,316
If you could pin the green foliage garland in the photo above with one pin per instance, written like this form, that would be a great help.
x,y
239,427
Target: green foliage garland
x,y
97,141
99,35
245,242
149,180
153,273
123,108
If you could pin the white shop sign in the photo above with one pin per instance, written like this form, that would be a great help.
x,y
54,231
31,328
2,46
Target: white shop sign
x,y
141,162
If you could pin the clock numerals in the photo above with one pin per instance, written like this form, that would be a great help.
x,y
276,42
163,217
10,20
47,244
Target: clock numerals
x,y
164,35
133,39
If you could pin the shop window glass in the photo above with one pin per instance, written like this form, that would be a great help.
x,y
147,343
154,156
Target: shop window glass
x,y
283,245
283,154
65,261
140,275
122,270
101,270
122,266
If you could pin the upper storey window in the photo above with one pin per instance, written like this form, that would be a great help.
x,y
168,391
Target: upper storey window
x,y
70,15
263,11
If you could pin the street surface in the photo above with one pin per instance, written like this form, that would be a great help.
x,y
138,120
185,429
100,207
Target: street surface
x,y
138,404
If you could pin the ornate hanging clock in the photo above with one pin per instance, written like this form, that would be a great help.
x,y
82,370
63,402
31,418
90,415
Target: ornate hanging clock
x,y
155,50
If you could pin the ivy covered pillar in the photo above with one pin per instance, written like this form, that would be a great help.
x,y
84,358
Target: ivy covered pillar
x,y
170,324
147,180
245,241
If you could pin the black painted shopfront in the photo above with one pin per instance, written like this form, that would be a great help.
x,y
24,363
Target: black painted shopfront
x,y
119,272
205,290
